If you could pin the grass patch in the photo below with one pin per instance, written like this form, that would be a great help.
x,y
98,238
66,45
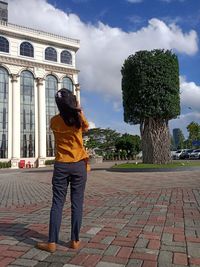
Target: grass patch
x,y
140,165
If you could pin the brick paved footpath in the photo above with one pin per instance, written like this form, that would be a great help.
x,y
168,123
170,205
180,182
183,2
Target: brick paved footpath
x,y
130,219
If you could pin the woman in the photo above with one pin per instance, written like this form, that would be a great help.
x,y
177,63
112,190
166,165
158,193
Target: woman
x,y
70,167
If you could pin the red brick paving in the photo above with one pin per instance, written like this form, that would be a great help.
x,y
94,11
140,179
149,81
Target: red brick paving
x,y
180,259
138,216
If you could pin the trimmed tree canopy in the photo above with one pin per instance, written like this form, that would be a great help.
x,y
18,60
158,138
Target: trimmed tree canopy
x,y
150,85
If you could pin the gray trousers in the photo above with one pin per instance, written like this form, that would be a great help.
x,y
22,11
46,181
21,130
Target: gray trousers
x,y
75,174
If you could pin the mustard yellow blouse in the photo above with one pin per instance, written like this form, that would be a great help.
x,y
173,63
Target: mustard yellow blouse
x,y
68,140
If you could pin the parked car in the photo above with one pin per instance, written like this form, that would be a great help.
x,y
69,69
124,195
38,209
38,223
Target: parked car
x,y
178,153
195,154
186,154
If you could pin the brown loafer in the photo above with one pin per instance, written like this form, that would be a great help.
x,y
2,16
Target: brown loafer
x,y
75,244
49,247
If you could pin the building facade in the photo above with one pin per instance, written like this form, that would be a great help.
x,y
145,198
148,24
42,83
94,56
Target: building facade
x,y
33,66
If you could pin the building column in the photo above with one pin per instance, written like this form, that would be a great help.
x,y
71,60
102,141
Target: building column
x,y
15,121
59,85
77,92
10,119
41,123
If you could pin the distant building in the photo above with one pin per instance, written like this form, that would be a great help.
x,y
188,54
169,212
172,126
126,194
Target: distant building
x,y
176,137
33,66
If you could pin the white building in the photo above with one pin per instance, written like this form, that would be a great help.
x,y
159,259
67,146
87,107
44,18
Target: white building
x,y
33,66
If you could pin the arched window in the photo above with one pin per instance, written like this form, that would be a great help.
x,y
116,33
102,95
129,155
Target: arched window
x,y
27,114
51,110
4,44
51,54
26,49
3,113
67,83
66,57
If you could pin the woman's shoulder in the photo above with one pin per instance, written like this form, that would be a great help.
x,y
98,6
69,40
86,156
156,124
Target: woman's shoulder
x,y
55,120
58,125
56,117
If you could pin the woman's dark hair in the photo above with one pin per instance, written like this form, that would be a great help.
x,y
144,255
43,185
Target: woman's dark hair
x,y
67,106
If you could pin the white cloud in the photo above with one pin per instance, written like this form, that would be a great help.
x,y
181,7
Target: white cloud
x,y
136,19
103,48
190,99
183,121
91,125
190,95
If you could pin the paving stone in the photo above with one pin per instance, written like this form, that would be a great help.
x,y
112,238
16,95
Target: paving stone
x,y
149,228
112,250
113,211
173,249
31,253
146,250
123,232
42,255
134,263
94,230
194,250
174,244
25,262
56,264
107,240
57,259
9,242
158,229
42,264
69,253
141,243
71,265
92,251
167,237
108,264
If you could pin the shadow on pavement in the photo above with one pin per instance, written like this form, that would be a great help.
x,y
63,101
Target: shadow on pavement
x,y
23,234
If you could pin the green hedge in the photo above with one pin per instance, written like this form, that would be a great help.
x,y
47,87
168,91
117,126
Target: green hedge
x,y
5,165
49,162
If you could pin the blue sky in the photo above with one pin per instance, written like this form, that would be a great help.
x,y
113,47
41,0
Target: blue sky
x,y
109,31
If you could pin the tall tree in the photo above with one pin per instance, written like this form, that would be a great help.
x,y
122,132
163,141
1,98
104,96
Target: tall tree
x,y
194,132
103,139
150,87
181,140
128,143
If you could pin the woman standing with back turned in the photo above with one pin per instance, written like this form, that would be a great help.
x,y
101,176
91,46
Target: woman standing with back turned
x,y
70,167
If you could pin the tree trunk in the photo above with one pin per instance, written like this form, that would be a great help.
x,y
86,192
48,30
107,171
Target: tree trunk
x,y
155,141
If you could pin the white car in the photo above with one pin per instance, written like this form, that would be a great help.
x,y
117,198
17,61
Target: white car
x,y
178,153
195,154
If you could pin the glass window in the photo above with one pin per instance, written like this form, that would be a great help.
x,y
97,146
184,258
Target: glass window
x,y
51,110
3,113
67,83
26,49
66,57
4,44
27,115
50,54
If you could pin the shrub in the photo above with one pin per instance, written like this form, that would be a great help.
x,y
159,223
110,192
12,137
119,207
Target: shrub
x,y
5,164
50,162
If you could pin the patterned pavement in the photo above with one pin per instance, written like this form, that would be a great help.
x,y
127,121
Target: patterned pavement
x,y
130,220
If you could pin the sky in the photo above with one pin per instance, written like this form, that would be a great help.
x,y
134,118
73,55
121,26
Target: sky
x,y
111,30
